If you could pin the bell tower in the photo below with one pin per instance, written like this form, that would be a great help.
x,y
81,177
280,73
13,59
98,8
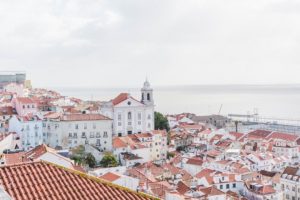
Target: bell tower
x,y
147,94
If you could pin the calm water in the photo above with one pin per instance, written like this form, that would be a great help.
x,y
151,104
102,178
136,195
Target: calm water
x,y
282,101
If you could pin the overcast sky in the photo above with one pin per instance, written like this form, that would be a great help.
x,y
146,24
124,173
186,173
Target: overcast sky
x,y
111,43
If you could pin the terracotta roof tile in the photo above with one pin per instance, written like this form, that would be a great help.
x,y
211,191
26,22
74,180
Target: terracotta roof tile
x,y
283,136
25,100
41,180
84,117
111,177
120,98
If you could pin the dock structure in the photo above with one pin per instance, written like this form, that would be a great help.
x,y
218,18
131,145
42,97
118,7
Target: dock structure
x,y
250,122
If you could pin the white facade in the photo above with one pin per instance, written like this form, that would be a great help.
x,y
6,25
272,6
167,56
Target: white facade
x,y
29,130
80,130
131,116
290,183
128,182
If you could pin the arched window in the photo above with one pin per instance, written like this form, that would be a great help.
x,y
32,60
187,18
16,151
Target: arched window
x,y
129,115
148,96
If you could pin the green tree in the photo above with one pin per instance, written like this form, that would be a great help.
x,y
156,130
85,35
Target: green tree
x,y
90,160
78,154
161,122
170,155
109,160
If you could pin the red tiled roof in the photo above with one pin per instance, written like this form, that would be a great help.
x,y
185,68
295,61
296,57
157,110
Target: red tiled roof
x,y
283,136
13,158
182,188
260,133
211,191
120,98
25,100
84,117
40,180
236,135
195,161
119,143
111,177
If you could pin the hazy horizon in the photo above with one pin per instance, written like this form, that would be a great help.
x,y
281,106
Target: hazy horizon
x,y
120,43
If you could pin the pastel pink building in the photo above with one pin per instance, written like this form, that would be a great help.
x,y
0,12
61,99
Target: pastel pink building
x,y
25,105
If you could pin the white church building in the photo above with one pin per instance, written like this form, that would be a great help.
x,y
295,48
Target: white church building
x,y
130,115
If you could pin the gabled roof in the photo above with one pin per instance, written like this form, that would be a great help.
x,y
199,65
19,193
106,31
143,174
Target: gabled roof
x,y
283,136
195,161
40,180
84,117
182,188
211,191
263,134
120,98
25,100
109,176
119,143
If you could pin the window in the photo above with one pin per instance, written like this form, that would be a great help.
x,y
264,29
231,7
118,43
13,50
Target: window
x,y
85,126
221,187
94,126
86,141
23,106
105,134
233,185
149,125
139,116
75,135
119,134
139,122
148,96
32,106
76,126
92,135
70,134
98,142
227,186
28,106
98,134
149,116
129,115
119,116
119,124
36,134
83,135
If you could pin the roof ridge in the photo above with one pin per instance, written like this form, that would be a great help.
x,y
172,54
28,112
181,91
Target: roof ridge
x,y
98,180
